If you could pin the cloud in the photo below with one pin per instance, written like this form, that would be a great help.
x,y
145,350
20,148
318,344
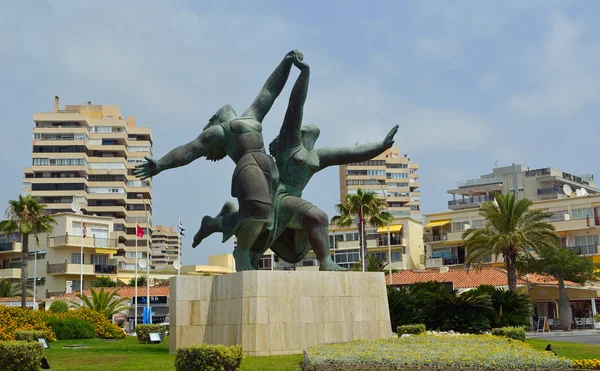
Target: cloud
x,y
562,73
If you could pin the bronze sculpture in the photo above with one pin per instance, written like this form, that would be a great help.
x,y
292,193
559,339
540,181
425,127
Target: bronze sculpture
x,y
271,213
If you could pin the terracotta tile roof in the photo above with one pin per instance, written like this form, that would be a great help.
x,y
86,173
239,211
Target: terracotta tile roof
x,y
126,292
546,280
461,278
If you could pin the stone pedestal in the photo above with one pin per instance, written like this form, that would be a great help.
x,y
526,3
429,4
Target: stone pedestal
x,y
277,312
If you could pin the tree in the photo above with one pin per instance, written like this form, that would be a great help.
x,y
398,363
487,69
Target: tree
x,y
104,281
512,230
563,265
59,306
141,281
369,208
510,308
9,289
105,302
25,215
374,264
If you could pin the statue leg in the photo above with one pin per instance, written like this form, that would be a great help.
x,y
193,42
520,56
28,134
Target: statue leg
x,y
211,225
246,235
315,222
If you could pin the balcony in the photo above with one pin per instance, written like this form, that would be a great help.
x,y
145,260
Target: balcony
x,y
10,247
479,182
76,241
440,262
393,242
551,192
435,238
105,269
10,273
354,244
468,203
573,224
585,250
70,268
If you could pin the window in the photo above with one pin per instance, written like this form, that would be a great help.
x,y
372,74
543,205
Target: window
x,y
105,190
587,240
76,258
346,258
131,255
415,207
396,256
582,213
106,165
375,172
40,161
379,255
459,226
101,129
397,175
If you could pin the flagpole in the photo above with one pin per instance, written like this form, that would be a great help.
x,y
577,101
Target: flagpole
x,y
179,245
81,258
136,279
37,242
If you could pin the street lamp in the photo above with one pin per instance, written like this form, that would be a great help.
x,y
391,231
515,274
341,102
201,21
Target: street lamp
x,y
139,195
388,230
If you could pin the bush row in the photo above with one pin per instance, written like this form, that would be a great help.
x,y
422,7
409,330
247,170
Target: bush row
x,y
417,329
143,332
517,333
20,355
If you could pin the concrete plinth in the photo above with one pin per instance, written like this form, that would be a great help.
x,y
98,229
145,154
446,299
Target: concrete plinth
x,y
277,312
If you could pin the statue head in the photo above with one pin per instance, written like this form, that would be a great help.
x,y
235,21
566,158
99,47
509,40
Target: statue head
x,y
218,149
308,135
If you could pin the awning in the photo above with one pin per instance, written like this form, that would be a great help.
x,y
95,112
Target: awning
x,y
393,228
437,223
125,281
561,233
106,251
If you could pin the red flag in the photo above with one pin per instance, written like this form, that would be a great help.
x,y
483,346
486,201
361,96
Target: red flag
x,y
83,230
139,231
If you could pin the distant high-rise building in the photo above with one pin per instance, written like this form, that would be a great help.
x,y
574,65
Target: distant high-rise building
x,y
86,154
165,247
391,174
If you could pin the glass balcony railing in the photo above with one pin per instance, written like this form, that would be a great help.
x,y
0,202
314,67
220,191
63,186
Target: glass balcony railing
x,y
470,201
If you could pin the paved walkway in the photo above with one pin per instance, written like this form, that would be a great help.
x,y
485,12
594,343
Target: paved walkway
x,y
576,336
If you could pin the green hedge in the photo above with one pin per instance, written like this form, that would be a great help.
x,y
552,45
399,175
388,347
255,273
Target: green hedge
x,y
411,329
71,328
517,333
143,332
20,355
29,335
58,306
209,357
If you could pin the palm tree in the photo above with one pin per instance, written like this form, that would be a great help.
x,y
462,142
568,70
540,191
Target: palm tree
x,y
512,230
105,302
9,289
25,215
141,281
374,264
369,208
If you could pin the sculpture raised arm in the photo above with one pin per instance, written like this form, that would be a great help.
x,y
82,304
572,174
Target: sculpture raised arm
x,y
360,153
273,86
289,135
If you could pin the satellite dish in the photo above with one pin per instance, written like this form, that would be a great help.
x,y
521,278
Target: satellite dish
x,y
75,206
176,264
578,192
584,192
142,263
567,190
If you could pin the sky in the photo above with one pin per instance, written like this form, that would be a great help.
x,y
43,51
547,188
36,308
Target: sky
x,y
471,84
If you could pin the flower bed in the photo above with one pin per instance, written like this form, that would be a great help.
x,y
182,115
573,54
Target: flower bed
x,y
16,318
430,352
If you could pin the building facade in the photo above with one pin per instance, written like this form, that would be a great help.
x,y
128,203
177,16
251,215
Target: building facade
x,y
86,154
165,247
576,220
391,176
56,263
534,184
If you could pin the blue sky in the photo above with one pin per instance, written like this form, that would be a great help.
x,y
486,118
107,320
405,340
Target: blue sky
x,y
468,82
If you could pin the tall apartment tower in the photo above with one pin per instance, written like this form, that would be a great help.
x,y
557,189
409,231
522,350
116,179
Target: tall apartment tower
x,y
165,247
87,153
390,175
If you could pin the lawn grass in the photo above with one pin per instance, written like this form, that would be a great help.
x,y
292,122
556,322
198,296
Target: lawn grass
x,y
565,349
127,354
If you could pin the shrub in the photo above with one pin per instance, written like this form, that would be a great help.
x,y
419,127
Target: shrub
x,y
517,333
29,335
58,306
417,329
102,326
16,318
143,332
20,355
71,328
209,357
587,364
